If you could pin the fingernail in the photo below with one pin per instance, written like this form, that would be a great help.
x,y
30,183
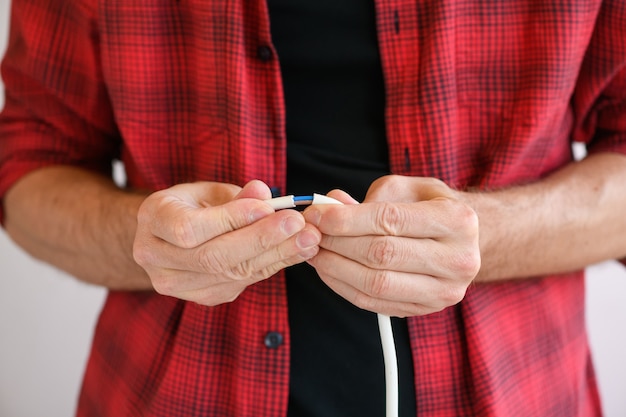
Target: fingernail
x,y
291,225
307,239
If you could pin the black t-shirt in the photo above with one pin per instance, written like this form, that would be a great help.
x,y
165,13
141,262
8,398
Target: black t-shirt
x,y
335,102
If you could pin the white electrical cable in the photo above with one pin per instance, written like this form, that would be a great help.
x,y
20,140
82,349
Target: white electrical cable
x,y
384,322
391,365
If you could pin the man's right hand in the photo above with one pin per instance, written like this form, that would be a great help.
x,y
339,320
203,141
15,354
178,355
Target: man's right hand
x,y
206,242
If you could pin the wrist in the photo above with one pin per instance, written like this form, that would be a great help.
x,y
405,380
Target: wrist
x,y
503,231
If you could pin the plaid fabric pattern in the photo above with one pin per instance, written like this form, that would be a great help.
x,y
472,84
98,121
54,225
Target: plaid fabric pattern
x,y
480,94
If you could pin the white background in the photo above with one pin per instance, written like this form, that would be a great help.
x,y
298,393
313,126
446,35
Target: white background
x,y
47,319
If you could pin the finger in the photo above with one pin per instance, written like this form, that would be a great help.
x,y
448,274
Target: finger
x,y
177,283
388,253
422,256
297,249
174,281
265,242
427,219
252,266
399,188
389,308
255,189
370,289
187,227
225,252
194,287
214,295
342,196
202,194
377,284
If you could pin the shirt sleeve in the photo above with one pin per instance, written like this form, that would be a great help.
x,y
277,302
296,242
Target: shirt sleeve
x,y
605,124
609,118
599,100
57,110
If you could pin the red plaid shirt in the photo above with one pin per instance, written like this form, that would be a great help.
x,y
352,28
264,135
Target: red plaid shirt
x,y
479,94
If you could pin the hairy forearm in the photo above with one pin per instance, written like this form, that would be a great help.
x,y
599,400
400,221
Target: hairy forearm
x,y
79,222
566,222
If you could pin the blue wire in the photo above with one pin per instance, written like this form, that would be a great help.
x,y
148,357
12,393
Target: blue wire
x,y
303,198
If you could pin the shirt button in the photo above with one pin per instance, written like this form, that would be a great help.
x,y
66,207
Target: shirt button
x,y
273,340
264,53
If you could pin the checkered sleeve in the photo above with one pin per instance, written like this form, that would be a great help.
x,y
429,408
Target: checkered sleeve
x,y
600,100
57,110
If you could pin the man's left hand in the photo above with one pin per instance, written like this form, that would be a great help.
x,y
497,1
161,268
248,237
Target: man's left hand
x,y
411,248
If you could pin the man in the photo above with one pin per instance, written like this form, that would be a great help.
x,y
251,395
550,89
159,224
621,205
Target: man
x,y
477,240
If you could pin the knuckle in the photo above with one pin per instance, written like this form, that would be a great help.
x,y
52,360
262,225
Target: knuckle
x,y
229,219
467,218
162,284
217,263
144,216
264,241
184,232
142,255
379,283
390,219
270,271
462,218
242,271
451,294
462,264
210,261
471,263
381,252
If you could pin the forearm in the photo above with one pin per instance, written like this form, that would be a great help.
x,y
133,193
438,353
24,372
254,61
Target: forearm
x,y
566,222
79,222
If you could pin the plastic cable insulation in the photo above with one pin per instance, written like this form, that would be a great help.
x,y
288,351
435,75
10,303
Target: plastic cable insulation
x,y
391,365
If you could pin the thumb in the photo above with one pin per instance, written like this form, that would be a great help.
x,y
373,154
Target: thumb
x,y
342,196
254,189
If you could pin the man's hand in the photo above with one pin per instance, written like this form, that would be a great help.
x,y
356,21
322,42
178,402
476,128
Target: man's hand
x,y
410,249
206,242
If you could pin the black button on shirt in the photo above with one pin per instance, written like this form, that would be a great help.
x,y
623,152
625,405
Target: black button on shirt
x,y
264,53
273,340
